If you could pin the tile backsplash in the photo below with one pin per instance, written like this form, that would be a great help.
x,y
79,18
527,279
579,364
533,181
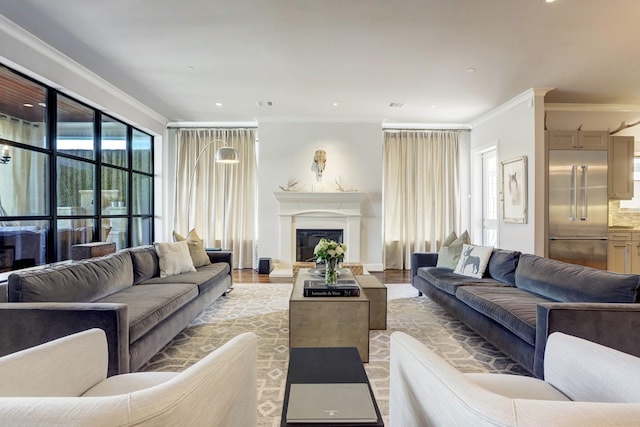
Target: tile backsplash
x,y
622,217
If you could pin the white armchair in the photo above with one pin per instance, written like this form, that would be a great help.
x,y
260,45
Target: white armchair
x,y
63,382
585,384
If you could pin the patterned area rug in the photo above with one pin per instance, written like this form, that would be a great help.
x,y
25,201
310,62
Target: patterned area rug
x,y
263,309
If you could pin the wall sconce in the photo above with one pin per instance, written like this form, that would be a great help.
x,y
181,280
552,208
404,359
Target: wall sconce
x,y
5,157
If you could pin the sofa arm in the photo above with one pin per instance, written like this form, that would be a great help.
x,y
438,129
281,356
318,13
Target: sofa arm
x,y
26,325
612,325
221,256
422,259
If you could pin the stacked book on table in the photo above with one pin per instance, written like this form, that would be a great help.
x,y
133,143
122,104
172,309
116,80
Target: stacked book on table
x,y
318,288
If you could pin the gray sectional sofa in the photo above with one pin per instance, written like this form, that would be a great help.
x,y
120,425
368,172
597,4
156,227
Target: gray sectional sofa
x,y
523,298
121,293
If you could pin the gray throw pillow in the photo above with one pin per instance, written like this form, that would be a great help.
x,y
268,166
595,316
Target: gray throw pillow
x,y
450,251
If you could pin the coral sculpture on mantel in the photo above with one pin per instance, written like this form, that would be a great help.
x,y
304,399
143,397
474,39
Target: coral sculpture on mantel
x,y
292,185
342,188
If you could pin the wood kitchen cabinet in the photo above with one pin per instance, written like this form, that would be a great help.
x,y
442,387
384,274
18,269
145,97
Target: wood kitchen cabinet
x,y
577,140
623,254
620,169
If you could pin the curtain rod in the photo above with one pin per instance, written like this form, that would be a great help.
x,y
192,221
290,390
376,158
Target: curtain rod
x,y
394,130
189,125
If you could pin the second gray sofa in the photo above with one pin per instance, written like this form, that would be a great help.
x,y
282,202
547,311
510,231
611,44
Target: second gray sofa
x,y
523,298
122,293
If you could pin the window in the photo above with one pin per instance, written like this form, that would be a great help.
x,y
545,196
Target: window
x,y
59,154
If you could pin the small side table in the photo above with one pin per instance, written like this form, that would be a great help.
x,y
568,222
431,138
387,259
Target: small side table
x,y
377,294
326,365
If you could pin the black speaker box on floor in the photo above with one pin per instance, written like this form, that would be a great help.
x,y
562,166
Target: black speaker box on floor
x,y
264,266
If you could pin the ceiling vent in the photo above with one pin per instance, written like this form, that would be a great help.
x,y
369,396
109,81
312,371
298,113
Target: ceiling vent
x,y
264,104
396,104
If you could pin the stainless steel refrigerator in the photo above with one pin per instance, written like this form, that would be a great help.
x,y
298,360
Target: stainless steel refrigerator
x,y
578,222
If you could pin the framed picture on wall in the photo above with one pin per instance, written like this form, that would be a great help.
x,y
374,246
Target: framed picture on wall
x,y
514,190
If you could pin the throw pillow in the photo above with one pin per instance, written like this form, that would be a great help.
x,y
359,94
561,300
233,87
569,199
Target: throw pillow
x,y
174,258
473,260
196,248
451,249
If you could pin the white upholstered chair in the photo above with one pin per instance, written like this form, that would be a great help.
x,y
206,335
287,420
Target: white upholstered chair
x,y
585,384
63,382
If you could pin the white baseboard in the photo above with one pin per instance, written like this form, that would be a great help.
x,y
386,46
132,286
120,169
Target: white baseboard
x,y
374,267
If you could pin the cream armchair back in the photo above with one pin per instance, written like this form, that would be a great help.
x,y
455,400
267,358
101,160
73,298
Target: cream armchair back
x,y
585,384
63,382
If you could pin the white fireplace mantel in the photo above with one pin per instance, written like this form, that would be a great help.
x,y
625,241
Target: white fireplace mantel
x,y
321,210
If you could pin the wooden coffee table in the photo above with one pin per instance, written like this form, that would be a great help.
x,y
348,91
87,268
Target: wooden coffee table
x,y
328,321
326,366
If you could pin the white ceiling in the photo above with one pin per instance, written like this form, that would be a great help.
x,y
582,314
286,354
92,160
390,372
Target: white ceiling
x,y
305,55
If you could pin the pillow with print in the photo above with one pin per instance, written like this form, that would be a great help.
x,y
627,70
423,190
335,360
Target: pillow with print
x,y
473,260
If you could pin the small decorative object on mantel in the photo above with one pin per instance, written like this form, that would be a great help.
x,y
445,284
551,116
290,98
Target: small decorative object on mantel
x,y
292,185
331,252
342,188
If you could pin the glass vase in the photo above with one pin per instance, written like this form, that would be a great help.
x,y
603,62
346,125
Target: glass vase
x,y
331,272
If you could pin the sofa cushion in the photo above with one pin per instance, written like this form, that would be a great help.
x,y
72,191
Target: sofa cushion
x,y
502,266
564,282
145,263
150,305
513,308
451,249
79,281
448,281
205,277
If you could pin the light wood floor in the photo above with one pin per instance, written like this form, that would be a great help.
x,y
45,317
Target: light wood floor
x,y
248,275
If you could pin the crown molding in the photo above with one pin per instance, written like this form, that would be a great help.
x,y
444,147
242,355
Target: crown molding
x,y
617,108
525,96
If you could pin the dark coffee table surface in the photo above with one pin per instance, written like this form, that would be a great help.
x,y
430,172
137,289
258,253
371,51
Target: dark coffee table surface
x,y
326,365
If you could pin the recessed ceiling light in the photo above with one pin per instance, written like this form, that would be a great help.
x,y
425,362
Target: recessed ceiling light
x,y
218,104
26,104
396,104
264,104
335,104
471,70
549,1
432,106
190,68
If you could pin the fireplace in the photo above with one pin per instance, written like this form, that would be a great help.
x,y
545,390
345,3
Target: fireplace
x,y
307,239
319,212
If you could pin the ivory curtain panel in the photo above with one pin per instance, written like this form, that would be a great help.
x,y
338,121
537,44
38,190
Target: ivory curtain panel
x,y
421,192
222,203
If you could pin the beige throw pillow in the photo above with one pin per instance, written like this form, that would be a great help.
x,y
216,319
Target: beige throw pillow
x,y
174,258
473,260
451,249
196,248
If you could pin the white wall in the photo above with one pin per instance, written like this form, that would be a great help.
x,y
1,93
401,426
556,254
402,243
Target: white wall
x,y
354,152
513,129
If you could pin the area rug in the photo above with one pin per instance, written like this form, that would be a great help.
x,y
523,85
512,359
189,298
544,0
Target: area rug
x,y
263,309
